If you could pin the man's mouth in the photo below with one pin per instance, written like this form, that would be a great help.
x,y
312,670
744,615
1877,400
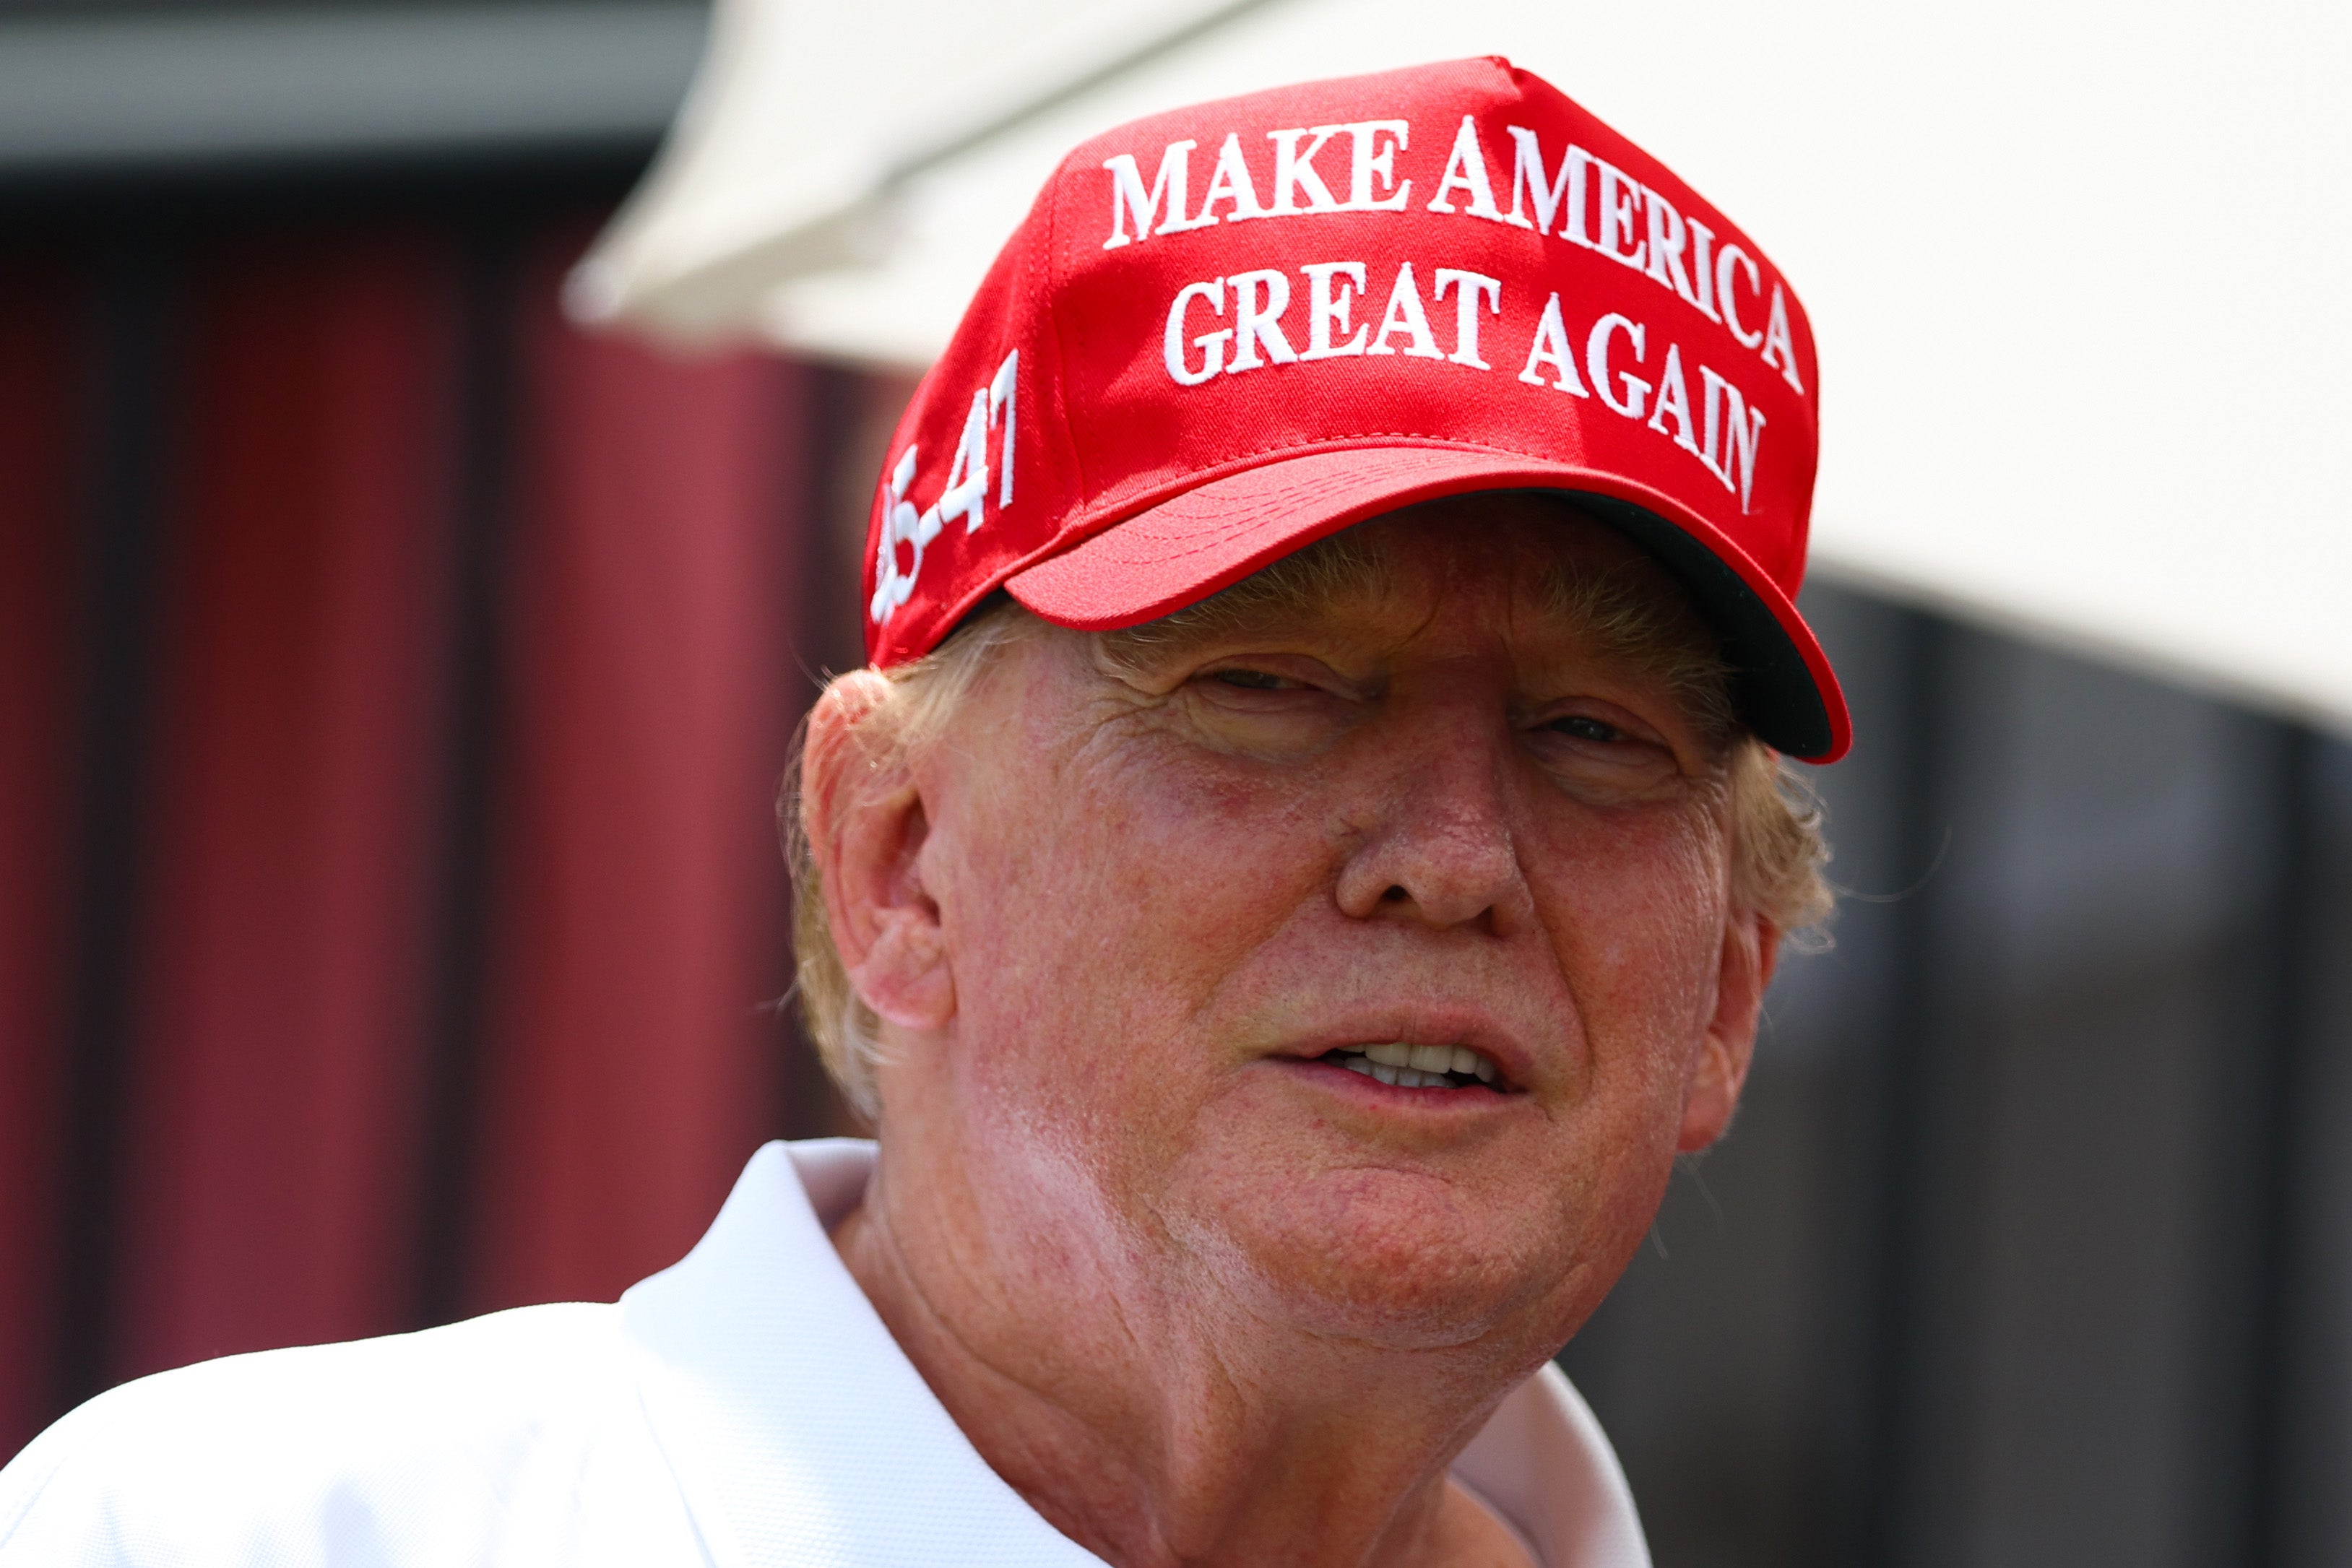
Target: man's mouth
x,y
1419,1066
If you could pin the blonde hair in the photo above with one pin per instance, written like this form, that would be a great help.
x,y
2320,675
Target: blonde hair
x,y
1778,850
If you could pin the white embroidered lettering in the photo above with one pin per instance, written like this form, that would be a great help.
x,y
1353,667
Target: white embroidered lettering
x,y
1372,161
1294,172
1596,363
1127,195
1732,442
966,495
1469,288
1404,314
1001,390
1230,182
1666,241
1734,432
1211,344
1550,347
1565,189
1674,403
900,525
1729,262
1621,194
1256,327
1332,288
1780,348
1703,266
1465,170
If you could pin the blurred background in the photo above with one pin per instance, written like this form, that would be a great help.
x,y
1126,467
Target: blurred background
x,y
395,684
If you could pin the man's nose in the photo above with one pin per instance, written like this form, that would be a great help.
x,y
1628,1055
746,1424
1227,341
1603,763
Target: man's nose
x,y
1435,841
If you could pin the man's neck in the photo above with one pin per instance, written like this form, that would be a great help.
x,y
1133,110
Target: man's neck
x,y
1158,1429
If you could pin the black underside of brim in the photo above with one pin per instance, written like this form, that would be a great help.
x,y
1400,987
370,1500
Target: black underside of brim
x,y
1773,691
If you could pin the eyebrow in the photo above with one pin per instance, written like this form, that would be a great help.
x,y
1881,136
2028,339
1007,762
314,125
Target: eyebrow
x,y
1335,569
1619,607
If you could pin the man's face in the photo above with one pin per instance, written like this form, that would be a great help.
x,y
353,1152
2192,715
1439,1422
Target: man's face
x,y
1183,881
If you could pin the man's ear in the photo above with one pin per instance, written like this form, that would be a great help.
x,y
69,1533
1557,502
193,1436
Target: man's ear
x,y
867,827
1751,946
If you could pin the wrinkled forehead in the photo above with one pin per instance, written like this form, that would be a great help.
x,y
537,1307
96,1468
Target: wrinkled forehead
x,y
1526,565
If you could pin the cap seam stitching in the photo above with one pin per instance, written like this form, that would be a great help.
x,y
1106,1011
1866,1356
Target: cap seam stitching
x,y
1196,478
1057,269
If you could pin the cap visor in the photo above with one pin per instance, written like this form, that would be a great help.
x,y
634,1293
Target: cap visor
x,y
1186,547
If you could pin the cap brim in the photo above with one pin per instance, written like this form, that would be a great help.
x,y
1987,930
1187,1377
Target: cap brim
x,y
1189,546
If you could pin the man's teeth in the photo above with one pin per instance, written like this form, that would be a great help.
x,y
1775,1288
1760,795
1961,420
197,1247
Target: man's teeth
x,y
1417,1066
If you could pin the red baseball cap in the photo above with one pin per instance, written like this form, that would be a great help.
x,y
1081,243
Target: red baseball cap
x,y
1224,332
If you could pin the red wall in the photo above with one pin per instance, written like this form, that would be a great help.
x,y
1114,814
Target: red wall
x,y
652,691
271,1133
300,1124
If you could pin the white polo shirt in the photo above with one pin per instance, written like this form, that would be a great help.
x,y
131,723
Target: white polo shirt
x,y
744,1409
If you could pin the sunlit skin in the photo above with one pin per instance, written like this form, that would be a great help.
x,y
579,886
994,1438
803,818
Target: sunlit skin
x,y
1198,1296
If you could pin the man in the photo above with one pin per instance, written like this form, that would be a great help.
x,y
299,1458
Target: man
x,y
1307,857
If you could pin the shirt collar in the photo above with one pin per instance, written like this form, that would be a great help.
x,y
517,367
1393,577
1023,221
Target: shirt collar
x,y
801,1435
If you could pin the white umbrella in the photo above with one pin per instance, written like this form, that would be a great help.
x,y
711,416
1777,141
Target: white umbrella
x,y
2075,270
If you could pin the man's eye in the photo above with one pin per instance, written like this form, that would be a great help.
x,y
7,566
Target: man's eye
x,y
1584,728
1252,680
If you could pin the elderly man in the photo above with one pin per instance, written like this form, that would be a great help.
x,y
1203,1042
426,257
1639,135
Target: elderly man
x,y
1306,858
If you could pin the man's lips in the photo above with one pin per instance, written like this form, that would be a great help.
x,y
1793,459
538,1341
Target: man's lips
x,y
1409,1066
1422,1052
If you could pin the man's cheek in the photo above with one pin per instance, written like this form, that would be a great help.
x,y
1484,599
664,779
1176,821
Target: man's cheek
x,y
1085,932
1642,956
1198,847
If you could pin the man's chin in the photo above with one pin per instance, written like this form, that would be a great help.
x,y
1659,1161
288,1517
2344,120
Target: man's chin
x,y
1391,1256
